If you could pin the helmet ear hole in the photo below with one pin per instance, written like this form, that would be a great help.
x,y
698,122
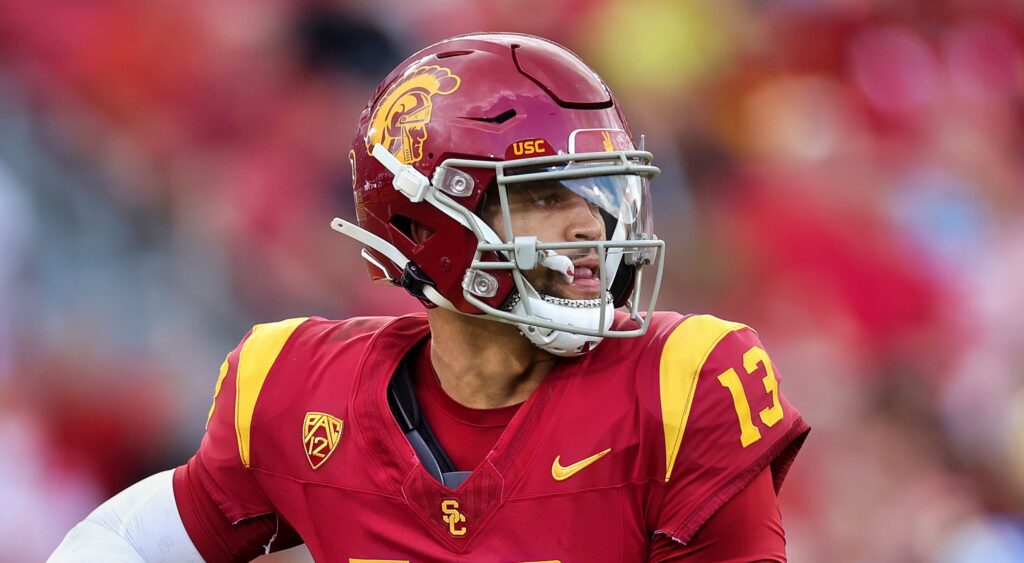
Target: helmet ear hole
x,y
416,232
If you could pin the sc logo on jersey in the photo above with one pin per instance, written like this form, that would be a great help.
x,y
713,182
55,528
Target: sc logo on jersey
x,y
454,518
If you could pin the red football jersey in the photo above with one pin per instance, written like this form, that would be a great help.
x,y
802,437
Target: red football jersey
x,y
643,435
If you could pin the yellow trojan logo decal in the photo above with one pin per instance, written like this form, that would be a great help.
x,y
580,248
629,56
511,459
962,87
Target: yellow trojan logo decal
x,y
399,122
453,517
320,435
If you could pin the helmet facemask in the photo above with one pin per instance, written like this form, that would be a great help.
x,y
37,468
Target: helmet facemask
x,y
563,300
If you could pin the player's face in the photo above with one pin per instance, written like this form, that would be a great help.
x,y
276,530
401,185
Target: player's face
x,y
552,213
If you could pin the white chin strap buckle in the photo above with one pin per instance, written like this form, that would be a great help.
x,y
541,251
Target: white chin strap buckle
x,y
411,182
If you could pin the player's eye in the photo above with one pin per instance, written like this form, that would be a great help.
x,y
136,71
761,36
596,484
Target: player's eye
x,y
556,195
544,196
545,201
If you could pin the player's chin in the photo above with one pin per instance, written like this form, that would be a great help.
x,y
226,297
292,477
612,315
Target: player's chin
x,y
580,289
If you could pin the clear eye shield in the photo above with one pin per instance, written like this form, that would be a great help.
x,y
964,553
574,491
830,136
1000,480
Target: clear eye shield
x,y
621,199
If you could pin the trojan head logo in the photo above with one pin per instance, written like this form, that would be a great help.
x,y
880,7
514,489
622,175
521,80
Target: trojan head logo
x,y
399,122
320,435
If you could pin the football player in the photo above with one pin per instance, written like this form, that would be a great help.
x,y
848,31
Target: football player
x,y
538,410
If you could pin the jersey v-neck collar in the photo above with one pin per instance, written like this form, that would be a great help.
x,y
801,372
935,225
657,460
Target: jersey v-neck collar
x,y
490,482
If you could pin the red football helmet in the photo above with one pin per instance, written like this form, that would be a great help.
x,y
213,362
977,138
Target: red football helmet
x,y
465,123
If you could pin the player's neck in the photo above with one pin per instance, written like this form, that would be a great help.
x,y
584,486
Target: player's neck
x,y
484,364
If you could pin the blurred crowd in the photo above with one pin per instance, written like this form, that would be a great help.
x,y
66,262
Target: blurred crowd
x,y
844,175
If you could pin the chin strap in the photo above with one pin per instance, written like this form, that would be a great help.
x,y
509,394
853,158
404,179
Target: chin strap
x,y
387,249
373,241
411,182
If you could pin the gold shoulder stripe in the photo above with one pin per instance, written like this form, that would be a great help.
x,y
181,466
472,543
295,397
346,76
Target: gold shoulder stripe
x,y
254,362
216,390
682,358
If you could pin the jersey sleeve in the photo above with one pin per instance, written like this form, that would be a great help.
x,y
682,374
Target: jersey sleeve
x,y
222,463
754,510
725,421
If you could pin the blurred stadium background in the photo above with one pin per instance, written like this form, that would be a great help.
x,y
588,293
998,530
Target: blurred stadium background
x,y
845,175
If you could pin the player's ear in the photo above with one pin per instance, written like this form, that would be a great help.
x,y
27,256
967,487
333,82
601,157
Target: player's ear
x,y
419,232
416,232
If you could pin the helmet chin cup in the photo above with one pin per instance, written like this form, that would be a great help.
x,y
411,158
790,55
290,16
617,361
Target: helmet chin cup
x,y
576,313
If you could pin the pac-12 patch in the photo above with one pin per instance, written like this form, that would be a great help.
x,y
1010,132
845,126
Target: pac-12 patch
x,y
321,433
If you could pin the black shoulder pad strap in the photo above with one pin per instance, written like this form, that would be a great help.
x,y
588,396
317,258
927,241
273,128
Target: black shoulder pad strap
x,y
406,410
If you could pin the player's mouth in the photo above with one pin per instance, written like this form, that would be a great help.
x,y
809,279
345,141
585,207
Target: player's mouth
x,y
587,275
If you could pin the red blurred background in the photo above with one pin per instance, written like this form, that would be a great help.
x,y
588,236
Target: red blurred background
x,y
844,175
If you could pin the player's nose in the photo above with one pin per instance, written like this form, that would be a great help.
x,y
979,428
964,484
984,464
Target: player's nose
x,y
583,220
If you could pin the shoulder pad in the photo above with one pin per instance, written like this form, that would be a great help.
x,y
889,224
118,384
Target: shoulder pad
x,y
257,355
682,358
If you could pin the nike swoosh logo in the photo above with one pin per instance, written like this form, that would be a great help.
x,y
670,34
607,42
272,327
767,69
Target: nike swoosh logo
x,y
561,473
